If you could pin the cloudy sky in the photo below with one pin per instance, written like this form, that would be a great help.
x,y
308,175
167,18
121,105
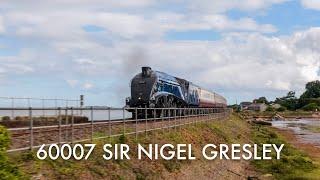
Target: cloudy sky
x,y
241,49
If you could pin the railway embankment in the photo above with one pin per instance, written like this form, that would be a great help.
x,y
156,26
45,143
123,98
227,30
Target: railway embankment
x,y
294,163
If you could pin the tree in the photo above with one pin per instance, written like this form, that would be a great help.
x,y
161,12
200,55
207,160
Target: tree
x,y
261,100
312,90
310,107
289,101
291,94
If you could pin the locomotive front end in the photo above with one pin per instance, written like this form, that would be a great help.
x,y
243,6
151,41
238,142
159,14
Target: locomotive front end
x,y
141,88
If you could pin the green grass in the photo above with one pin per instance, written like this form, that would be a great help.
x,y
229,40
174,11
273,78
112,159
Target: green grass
x,y
98,168
7,170
293,164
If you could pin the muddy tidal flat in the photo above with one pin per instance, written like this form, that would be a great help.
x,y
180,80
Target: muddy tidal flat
x,y
306,130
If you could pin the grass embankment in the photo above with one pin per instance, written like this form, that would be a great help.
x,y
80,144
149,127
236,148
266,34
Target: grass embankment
x,y
233,130
293,163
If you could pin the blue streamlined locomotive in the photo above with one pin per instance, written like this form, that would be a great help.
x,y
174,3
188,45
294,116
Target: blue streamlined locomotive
x,y
154,89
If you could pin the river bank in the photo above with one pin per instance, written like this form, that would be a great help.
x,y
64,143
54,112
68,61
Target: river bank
x,y
308,148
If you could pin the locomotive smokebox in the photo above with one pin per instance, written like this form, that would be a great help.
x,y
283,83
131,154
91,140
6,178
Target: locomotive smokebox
x,y
146,71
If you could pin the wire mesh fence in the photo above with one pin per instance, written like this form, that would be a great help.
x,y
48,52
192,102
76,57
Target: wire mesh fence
x,y
32,131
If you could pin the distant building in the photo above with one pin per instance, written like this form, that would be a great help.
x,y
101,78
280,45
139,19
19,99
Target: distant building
x,y
253,106
257,107
276,106
244,105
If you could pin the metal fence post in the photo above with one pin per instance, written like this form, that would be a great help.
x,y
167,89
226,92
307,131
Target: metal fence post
x,y
190,117
136,118
124,123
154,124
185,116
146,118
175,119
31,128
91,114
109,118
154,118
56,106
59,119
162,118
180,119
197,115
66,127
169,118
72,122
12,105
43,114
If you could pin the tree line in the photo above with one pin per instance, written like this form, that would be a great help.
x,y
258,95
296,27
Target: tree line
x,y
308,101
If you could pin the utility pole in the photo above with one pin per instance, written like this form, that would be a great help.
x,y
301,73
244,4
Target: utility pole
x,y
81,103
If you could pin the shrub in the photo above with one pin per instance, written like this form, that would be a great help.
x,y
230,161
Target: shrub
x,y
4,139
122,139
5,118
270,109
19,118
7,170
310,107
281,109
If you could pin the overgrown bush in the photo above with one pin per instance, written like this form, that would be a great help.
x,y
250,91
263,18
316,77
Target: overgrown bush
x,y
7,170
310,107
5,118
270,109
281,109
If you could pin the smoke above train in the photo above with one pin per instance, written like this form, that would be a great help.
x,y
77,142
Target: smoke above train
x,y
154,89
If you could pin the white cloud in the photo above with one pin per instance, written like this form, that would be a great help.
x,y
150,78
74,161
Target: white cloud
x,y
244,24
244,60
219,6
74,4
72,82
311,4
218,22
87,86
237,61
2,27
84,61
66,25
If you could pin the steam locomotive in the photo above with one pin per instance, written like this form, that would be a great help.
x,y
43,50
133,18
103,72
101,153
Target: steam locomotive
x,y
154,89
